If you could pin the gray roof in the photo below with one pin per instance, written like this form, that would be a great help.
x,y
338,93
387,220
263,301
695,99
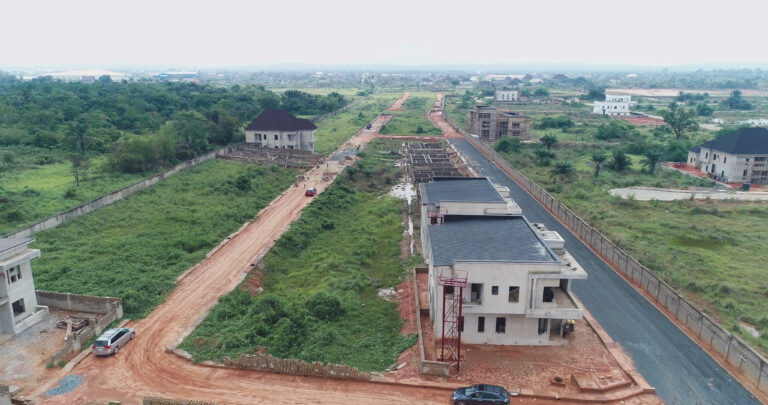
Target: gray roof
x,y
478,189
486,238
10,243
744,141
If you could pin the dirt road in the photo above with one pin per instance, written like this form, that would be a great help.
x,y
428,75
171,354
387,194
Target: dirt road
x,y
143,368
398,105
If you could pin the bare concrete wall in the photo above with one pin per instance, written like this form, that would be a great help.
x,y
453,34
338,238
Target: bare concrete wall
x,y
112,197
82,303
437,368
731,348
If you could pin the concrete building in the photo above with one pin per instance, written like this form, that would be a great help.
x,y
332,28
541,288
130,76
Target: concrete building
x,y
506,95
614,104
518,275
18,301
491,123
279,129
738,157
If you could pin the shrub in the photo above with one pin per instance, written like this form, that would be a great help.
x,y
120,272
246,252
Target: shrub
x,y
508,145
325,306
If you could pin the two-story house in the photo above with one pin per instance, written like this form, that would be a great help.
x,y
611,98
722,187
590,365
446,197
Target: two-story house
x,y
518,276
614,104
281,130
18,300
738,157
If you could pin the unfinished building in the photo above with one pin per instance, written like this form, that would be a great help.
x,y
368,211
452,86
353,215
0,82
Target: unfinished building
x,y
18,301
290,158
494,278
490,123
427,160
279,129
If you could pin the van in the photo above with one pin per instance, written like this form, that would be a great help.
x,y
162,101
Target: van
x,y
112,340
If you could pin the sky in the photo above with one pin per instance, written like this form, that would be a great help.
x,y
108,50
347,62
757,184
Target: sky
x,y
225,33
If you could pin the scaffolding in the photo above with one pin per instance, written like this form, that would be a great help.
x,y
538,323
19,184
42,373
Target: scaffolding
x,y
450,345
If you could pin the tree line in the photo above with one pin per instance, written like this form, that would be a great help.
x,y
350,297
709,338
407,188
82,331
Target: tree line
x,y
142,125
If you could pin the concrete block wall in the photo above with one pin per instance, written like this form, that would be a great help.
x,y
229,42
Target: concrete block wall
x,y
731,348
297,367
93,205
81,303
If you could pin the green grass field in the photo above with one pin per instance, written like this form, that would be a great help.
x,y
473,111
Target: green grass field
x,y
135,248
333,131
39,183
321,279
710,251
412,118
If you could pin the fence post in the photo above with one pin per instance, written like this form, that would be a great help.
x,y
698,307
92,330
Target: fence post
x,y
728,347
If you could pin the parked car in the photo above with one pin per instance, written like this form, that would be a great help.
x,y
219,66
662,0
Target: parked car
x,y
484,394
311,192
112,340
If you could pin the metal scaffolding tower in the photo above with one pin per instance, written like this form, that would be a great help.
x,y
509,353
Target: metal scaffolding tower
x,y
450,350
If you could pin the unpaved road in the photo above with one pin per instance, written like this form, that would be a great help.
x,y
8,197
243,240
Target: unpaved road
x,y
398,105
143,368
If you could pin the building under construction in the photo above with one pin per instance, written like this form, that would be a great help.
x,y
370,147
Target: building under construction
x,y
427,160
491,124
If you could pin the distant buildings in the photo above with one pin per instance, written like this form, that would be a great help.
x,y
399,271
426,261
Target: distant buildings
x,y
279,129
85,76
738,157
614,104
516,276
506,95
491,123
18,300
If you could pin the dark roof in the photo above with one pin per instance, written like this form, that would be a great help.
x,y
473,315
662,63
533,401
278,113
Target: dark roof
x,y
485,238
695,149
10,243
753,141
279,120
459,189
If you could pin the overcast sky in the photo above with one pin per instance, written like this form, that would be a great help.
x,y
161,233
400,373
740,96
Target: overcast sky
x,y
256,32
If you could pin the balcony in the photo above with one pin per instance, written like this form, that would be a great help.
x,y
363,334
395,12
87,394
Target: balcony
x,y
562,306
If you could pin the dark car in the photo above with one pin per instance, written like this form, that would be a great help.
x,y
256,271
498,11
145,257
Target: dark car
x,y
485,394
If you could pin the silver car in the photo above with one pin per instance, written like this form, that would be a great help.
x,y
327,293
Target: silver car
x,y
112,340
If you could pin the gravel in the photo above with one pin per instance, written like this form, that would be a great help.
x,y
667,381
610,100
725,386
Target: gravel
x,y
67,384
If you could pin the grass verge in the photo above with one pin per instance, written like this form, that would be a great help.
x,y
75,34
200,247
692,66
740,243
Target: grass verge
x,y
321,280
135,248
412,119
333,131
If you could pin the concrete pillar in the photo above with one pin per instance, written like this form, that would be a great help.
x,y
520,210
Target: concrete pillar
x,y
5,395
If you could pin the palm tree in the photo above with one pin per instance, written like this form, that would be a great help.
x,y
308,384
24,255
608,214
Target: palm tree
x,y
562,170
651,160
548,141
598,159
620,161
543,156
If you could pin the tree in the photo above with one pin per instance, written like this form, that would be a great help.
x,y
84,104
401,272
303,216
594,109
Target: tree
x,y
75,137
190,127
704,110
680,120
548,141
598,159
651,159
508,145
80,165
541,92
737,102
594,94
615,129
620,161
543,156
562,171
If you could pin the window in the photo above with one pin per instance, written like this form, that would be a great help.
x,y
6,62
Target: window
x,y
461,323
514,294
485,132
725,158
745,173
549,294
448,290
13,274
515,133
515,125
476,293
18,307
501,324
485,124
495,290
543,323
277,136
481,324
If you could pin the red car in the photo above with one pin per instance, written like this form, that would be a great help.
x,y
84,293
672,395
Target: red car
x,y
311,192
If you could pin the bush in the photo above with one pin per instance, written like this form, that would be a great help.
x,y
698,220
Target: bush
x,y
614,129
508,145
559,121
325,306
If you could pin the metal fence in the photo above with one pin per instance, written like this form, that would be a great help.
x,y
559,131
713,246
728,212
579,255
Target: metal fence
x,y
733,349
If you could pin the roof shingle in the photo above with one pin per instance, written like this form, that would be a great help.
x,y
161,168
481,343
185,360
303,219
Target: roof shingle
x,y
752,141
279,120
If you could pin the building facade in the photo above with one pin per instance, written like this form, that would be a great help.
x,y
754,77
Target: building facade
x,y
506,95
518,276
491,123
18,300
614,104
279,129
738,157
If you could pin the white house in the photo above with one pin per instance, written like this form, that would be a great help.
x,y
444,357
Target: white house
x,y
506,95
18,301
279,129
518,276
738,157
614,104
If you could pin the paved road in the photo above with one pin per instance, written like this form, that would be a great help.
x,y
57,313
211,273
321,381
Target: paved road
x,y
681,372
